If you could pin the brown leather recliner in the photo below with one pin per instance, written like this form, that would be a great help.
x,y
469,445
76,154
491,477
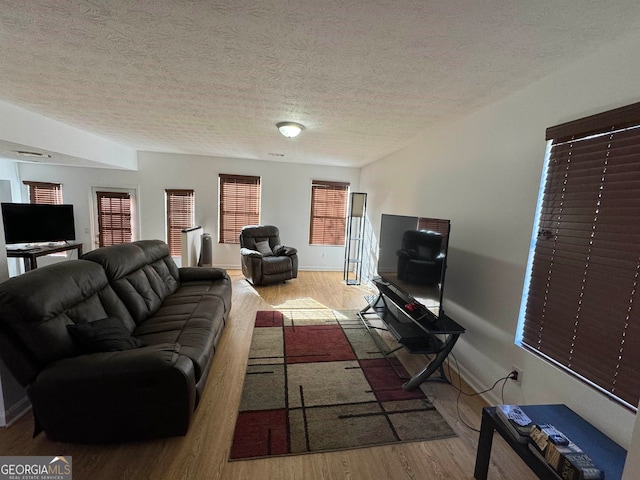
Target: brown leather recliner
x,y
264,259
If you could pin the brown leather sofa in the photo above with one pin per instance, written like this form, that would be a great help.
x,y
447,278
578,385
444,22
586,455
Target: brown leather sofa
x,y
116,346
264,259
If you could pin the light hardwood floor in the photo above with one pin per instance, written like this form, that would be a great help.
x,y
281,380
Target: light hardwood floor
x,y
203,452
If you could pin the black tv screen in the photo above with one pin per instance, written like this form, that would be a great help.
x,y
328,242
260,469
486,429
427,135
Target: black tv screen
x,y
37,223
413,257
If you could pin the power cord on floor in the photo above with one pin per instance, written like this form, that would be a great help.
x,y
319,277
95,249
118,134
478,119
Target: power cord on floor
x,y
511,375
460,392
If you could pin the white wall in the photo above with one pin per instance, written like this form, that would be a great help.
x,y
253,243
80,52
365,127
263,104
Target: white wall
x,y
23,127
285,196
12,395
632,466
483,172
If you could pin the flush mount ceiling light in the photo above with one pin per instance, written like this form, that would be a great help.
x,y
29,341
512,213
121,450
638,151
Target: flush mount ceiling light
x,y
290,129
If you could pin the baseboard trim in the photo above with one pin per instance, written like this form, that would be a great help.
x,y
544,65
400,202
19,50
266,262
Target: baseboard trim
x,y
15,412
300,268
490,397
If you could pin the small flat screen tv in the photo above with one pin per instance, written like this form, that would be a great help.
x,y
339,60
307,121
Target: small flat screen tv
x,y
413,258
37,223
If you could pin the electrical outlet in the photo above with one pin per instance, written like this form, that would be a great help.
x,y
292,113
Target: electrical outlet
x,y
518,374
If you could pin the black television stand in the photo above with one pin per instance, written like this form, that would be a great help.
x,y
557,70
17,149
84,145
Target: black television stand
x,y
416,329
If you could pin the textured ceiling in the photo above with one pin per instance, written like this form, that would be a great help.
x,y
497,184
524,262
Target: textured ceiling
x,y
214,77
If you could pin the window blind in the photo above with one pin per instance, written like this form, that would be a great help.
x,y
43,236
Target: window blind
x,y
435,225
328,212
581,310
239,205
114,218
180,215
44,192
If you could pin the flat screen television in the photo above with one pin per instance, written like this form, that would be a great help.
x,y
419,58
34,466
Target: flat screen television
x,y
413,258
37,223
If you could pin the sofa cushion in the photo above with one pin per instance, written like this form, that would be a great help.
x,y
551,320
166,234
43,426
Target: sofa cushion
x,y
264,248
36,323
141,273
137,293
275,265
193,321
159,258
118,260
197,281
105,335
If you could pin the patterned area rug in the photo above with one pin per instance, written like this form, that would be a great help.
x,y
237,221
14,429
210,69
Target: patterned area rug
x,y
316,381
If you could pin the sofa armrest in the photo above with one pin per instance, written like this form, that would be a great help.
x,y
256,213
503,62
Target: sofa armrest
x,y
285,251
193,274
143,363
247,252
104,397
106,371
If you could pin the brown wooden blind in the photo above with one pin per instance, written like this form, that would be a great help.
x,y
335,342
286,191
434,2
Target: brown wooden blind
x,y
180,215
581,310
438,225
114,218
44,192
328,212
239,205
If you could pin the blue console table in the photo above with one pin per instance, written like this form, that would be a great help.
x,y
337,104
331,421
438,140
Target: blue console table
x,y
605,453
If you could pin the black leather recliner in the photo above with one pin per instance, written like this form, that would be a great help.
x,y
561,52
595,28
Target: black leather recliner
x,y
420,259
264,259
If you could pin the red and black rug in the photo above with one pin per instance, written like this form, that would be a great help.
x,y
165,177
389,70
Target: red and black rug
x,y
316,381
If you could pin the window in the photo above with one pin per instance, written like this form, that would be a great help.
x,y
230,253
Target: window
x,y
46,193
114,218
580,310
436,225
328,212
180,215
239,205
43,192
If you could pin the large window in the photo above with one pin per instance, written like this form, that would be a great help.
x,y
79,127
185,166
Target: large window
x,y
328,212
114,218
239,205
180,215
44,192
580,311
